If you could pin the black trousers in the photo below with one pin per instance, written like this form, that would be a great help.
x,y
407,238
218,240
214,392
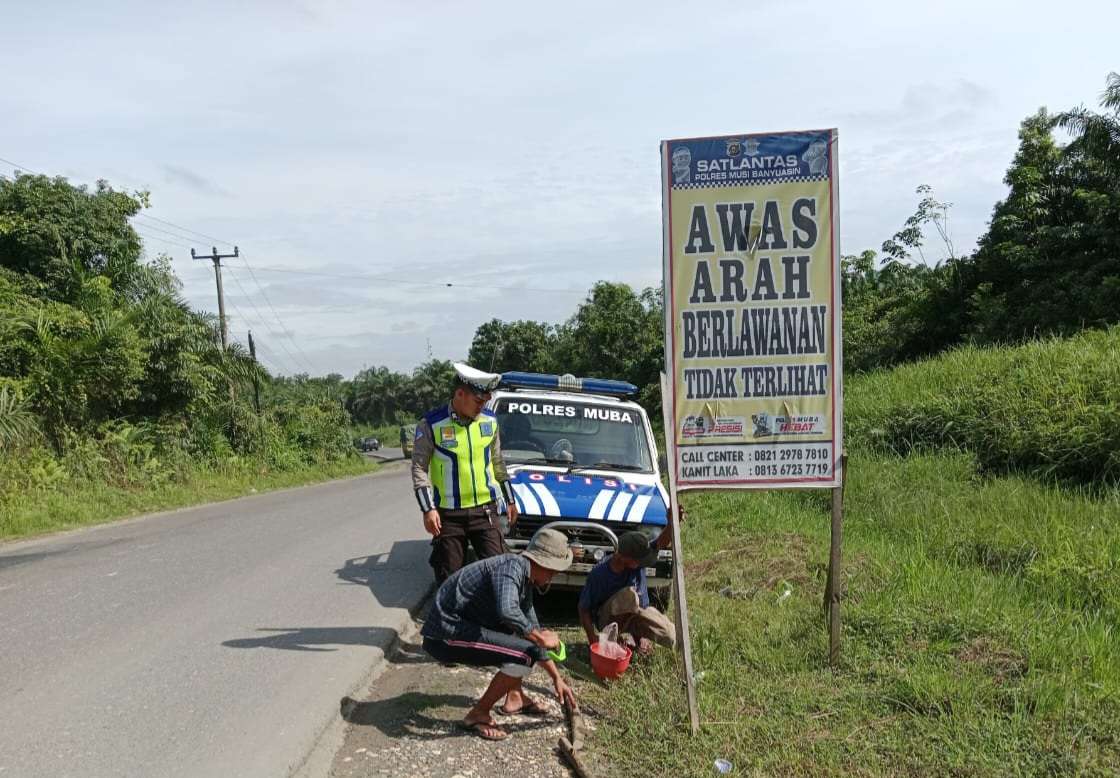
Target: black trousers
x,y
479,526
482,647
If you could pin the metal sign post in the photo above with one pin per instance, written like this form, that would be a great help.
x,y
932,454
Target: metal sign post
x,y
834,589
681,611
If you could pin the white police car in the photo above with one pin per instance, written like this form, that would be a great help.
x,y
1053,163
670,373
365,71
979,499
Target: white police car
x,y
582,459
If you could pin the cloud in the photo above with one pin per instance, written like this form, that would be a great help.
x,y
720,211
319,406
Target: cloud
x,y
928,106
174,174
496,160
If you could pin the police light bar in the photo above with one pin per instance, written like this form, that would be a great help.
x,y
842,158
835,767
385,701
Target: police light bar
x,y
567,383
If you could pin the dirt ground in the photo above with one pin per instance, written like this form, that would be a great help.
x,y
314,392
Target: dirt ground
x,y
408,722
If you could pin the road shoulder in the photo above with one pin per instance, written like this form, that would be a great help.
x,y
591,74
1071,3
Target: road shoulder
x,y
407,723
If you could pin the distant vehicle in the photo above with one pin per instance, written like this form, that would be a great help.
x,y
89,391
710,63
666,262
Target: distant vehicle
x,y
408,434
369,444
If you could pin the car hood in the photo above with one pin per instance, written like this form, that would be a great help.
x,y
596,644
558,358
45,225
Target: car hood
x,y
634,498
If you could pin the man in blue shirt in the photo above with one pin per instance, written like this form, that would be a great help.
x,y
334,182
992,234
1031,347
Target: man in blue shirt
x,y
483,615
615,590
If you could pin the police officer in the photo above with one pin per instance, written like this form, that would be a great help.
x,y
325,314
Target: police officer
x,y
457,472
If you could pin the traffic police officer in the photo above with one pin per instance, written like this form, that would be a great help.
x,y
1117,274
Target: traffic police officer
x,y
457,471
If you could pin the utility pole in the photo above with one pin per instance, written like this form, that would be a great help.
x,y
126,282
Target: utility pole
x,y
256,384
217,258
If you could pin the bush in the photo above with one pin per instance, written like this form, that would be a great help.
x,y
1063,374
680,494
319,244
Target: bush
x,y
1050,408
318,432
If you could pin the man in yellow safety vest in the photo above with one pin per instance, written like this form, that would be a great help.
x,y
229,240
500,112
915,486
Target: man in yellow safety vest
x,y
459,476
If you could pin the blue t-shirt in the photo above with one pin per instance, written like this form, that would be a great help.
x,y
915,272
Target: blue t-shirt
x,y
603,583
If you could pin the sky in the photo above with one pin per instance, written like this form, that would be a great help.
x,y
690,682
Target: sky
x,y
363,155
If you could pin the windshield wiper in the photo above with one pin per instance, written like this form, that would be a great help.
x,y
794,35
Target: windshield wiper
x,y
538,460
607,466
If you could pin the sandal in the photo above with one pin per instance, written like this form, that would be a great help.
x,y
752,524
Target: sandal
x,y
487,730
528,708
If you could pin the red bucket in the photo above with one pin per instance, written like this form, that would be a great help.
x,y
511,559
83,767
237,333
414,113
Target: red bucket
x,y
607,668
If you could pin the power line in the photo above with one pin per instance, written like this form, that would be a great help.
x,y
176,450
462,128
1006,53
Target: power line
x,y
157,229
377,277
182,229
252,275
173,239
158,239
444,284
18,166
264,323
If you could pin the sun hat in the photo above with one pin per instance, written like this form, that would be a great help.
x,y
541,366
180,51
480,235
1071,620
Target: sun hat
x,y
549,549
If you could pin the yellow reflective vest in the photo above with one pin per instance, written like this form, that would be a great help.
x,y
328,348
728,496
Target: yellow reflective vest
x,y
461,470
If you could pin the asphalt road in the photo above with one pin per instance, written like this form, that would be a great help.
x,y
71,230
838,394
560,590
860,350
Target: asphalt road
x,y
385,453
210,641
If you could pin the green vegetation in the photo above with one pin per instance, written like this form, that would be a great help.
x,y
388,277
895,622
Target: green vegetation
x,y
115,396
979,633
1049,264
981,574
1050,408
381,398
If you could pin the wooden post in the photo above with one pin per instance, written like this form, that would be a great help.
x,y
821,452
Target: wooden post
x,y
681,609
833,589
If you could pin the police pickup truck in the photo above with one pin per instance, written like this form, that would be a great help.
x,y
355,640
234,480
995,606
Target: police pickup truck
x,y
582,459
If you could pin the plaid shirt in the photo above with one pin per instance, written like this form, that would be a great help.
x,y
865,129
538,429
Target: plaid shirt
x,y
494,593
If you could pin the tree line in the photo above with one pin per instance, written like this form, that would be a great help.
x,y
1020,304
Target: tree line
x,y
1049,263
94,340
106,372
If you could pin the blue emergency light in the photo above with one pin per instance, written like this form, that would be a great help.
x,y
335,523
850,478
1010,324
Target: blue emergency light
x,y
567,383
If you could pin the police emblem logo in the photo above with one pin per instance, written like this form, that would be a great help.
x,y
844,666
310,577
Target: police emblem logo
x,y
681,161
446,434
734,147
486,428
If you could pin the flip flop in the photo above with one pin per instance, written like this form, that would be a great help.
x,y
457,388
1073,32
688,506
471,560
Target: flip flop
x,y
479,728
531,708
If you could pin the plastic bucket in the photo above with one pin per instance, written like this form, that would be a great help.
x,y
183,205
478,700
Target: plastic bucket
x,y
607,668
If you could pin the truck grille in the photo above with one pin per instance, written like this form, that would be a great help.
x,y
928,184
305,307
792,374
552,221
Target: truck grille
x,y
526,526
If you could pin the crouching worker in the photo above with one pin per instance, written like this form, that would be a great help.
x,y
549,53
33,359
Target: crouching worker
x,y
483,615
616,590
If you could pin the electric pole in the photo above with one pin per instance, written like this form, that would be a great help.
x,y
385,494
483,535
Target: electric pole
x,y
256,384
217,258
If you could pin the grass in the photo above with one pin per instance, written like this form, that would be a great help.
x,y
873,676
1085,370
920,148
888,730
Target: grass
x,y
1050,407
88,502
979,636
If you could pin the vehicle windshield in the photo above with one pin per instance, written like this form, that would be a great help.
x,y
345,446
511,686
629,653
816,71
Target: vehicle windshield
x,y
572,433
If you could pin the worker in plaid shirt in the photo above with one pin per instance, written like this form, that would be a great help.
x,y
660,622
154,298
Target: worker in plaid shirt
x,y
483,615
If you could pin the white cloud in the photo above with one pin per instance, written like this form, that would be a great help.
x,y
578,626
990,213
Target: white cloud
x,y
506,145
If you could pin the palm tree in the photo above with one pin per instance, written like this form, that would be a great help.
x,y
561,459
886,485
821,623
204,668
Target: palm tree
x,y
18,424
1097,135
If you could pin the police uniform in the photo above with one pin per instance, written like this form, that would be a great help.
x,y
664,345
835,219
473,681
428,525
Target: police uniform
x,y
457,469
